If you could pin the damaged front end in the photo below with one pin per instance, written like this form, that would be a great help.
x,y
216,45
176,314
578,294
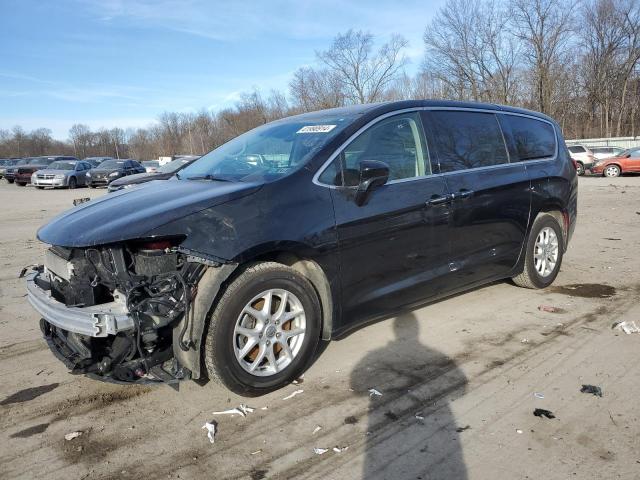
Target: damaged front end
x,y
117,312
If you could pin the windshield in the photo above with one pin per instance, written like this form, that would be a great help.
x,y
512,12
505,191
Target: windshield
x,y
173,166
268,152
112,164
62,165
39,161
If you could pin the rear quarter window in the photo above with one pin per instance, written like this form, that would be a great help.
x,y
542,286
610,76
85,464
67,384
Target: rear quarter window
x,y
577,149
533,139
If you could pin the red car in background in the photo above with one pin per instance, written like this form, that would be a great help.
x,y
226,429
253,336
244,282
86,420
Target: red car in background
x,y
626,162
24,171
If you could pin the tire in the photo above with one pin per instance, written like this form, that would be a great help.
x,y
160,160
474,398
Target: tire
x,y
531,276
222,341
92,186
580,169
21,184
72,183
611,171
40,188
10,181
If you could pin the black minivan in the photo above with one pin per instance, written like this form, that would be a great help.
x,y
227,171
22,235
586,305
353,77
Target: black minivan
x,y
298,231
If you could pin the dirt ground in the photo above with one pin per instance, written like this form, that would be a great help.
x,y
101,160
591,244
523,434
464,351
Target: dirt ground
x,y
459,379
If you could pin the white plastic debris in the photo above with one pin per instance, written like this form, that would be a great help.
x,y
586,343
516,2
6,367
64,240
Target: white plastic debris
x,y
298,380
627,327
518,431
419,416
339,449
317,429
524,340
264,408
297,392
241,410
373,391
320,451
256,452
72,435
539,395
211,431
231,411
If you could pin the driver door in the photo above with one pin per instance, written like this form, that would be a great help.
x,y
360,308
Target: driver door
x,y
393,248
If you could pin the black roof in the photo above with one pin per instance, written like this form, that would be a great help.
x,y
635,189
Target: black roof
x,y
374,109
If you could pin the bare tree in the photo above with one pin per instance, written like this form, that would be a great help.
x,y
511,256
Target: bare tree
x,y
362,73
313,89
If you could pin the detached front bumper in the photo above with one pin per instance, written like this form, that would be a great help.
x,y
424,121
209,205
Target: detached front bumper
x,y
95,321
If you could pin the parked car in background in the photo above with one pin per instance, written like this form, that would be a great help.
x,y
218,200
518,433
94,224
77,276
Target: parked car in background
x,y
95,161
164,172
583,157
151,166
627,161
10,171
300,231
110,170
7,163
605,152
24,172
62,174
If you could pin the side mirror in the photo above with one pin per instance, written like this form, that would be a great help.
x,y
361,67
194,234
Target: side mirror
x,y
373,174
628,155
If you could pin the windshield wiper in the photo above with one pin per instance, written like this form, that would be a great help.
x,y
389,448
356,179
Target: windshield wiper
x,y
209,177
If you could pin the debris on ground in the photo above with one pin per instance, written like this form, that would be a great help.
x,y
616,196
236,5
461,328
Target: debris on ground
x,y
298,380
317,429
524,340
320,451
241,410
462,429
541,412
211,430
256,452
373,391
339,449
350,420
551,309
293,394
627,327
518,431
78,201
72,435
592,389
419,416
538,395
264,408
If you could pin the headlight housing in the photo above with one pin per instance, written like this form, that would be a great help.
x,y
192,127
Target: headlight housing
x,y
59,177
114,174
89,174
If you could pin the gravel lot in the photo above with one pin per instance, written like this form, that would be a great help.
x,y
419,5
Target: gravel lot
x,y
457,380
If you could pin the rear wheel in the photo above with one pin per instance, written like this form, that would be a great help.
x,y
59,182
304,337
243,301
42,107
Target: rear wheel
x,y
543,255
611,171
72,182
264,330
20,184
580,168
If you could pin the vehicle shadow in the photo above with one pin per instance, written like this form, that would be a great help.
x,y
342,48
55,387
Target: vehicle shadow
x,y
411,430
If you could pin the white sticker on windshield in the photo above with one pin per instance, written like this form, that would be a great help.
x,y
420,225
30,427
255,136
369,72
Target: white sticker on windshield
x,y
316,129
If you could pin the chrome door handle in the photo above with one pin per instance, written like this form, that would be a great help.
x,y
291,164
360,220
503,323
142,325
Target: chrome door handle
x,y
463,194
439,200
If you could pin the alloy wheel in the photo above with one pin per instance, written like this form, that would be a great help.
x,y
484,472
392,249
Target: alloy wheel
x,y
545,252
269,332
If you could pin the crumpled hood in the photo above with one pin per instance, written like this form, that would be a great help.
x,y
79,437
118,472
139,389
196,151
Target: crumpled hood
x,y
141,178
130,214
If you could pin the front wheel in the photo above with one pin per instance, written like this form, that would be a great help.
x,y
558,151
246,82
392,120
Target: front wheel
x,y
10,181
543,255
21,184
611,171
72,183
264,330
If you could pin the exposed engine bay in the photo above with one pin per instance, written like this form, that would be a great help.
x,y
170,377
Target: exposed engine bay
x,y
122,304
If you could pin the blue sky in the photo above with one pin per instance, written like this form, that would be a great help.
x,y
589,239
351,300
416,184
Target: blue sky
x,y
122,62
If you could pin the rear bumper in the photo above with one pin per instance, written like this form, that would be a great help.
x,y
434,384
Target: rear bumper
x,y
95,321
23,178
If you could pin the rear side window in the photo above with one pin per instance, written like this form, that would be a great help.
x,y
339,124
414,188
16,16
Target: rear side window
x,y
467,140
533,138
577,149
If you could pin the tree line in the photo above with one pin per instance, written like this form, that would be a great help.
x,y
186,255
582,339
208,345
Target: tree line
x,y
575,60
